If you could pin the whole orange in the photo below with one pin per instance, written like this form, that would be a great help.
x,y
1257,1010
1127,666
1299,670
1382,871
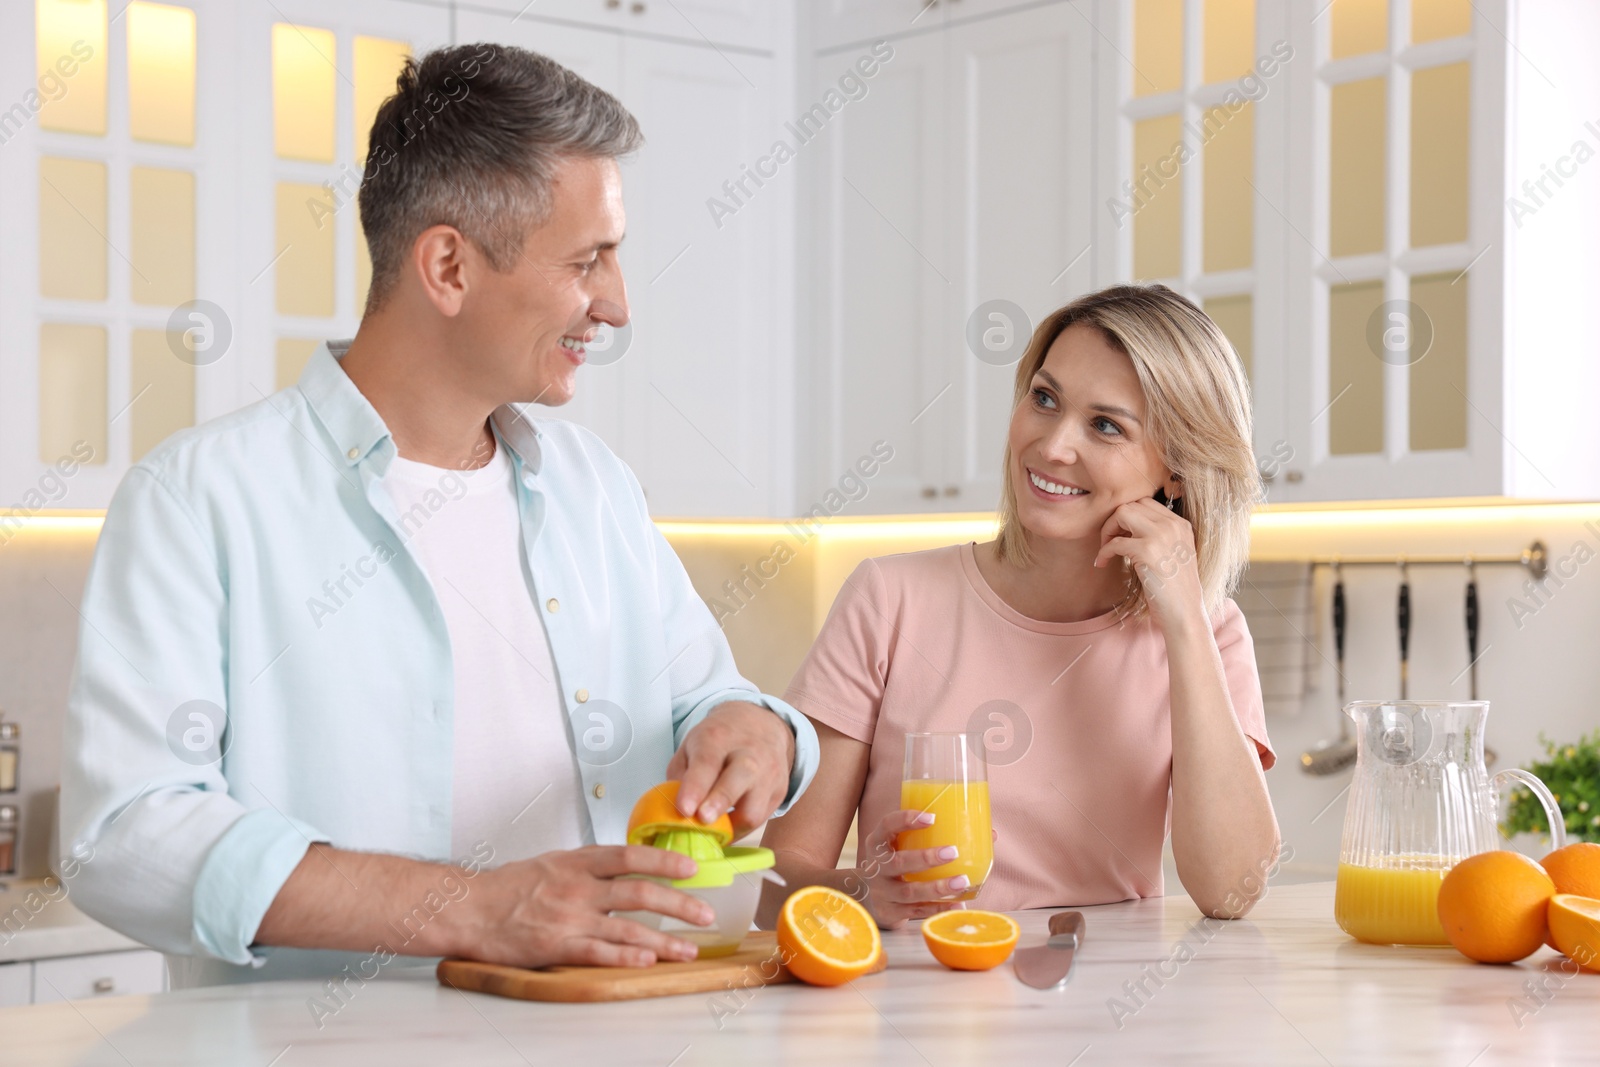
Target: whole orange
x,y
1574,869
826,938
1494,905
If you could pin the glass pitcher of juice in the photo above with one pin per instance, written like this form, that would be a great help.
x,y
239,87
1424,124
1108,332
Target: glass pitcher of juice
x,y
947,775
1421,801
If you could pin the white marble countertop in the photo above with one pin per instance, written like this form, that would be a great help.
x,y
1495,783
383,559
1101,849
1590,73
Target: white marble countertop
x,y
1282,987
38,921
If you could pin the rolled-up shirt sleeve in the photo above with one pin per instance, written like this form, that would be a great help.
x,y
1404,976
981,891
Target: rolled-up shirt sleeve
x,y
162,851
703,674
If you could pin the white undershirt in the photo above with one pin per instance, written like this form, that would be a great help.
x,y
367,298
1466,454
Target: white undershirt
x,y
516,782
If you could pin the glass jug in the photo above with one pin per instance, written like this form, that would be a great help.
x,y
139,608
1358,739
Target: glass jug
x,y
1421,801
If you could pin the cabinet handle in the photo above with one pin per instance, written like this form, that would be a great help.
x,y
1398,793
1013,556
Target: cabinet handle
x,y
105,985
637,8
952,490
929,492
612,5
1294,477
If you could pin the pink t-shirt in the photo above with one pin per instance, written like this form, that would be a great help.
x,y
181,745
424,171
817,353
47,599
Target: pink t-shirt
x,y
1076,718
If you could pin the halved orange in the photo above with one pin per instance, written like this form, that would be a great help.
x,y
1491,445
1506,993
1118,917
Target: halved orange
x,y
1574,869
1575,929
970,940
657,813
826,938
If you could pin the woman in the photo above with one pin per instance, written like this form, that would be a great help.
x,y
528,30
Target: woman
x,y
1099,616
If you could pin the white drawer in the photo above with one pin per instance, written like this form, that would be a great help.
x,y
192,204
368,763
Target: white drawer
x,y
109,974
16,984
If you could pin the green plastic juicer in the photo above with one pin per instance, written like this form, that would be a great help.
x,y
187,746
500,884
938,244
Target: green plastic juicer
x,y
729,878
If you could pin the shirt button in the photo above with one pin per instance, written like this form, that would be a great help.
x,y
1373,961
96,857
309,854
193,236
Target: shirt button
x,y
353,453
600,791
553,604
582,695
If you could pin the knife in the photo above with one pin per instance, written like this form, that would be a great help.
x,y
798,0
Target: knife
x,y
1048,966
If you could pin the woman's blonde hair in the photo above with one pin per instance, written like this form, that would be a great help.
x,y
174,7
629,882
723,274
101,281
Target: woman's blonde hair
x,y
1197,403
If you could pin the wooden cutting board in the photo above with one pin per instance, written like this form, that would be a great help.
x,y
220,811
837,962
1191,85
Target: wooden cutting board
x,y
755,964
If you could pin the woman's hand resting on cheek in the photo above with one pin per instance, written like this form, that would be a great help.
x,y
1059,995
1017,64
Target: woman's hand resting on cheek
x,y
1160,545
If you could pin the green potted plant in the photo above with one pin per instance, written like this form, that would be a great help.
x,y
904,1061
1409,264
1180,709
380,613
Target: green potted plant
x,y
1573,774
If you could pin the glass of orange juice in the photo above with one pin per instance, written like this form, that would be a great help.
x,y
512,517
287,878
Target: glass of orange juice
x,y
948,777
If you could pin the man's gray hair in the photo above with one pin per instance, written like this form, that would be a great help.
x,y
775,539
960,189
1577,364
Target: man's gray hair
x,y
471,139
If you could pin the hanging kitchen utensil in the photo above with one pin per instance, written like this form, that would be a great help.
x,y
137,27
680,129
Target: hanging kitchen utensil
x,y
1403,618
1489,754
1330,757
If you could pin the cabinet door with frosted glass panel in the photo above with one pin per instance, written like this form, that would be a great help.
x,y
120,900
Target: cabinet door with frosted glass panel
x,y
319,73
179,186
1193,180
116,198
1396,142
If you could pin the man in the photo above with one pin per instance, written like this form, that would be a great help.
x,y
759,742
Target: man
x,y
415,603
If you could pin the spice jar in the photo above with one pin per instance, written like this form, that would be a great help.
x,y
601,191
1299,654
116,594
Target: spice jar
x,y
8,839
10,757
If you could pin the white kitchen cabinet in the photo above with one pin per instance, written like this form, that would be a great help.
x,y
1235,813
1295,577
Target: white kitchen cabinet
x,y
1020,200
1191,177
95,295
105,974
1501,403
108,229
302,266
102,974
594,54
880,275
743,24
16,984
698,401
708,379
597,56
963,176
856,23
852,23
1389,140
784,326
708,373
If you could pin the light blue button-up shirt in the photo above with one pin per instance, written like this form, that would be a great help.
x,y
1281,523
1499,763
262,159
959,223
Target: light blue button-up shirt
x,y
256,564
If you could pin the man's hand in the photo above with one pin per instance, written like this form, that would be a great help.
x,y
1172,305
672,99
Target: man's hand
x,y
554,908
740,757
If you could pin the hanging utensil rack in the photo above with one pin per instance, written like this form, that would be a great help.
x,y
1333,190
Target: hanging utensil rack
x,y
1535,558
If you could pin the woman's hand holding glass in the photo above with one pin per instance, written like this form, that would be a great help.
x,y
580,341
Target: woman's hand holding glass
x,y
892,899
